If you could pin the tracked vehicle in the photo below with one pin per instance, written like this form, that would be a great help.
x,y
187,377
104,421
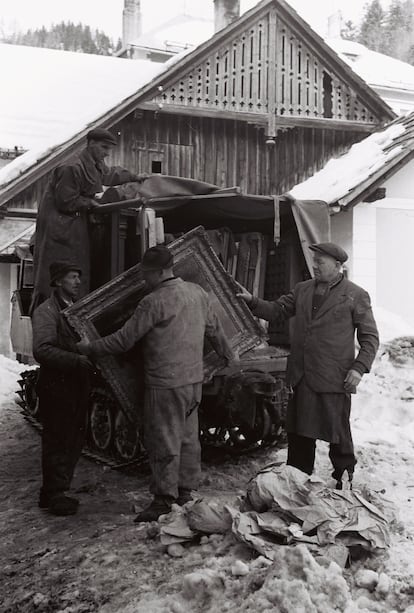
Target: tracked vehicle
x,y
218,237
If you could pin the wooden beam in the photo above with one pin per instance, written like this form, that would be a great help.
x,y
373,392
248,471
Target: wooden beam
x,y
259,119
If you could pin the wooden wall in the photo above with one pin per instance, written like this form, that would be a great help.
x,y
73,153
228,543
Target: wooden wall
x,y
219,151
227,152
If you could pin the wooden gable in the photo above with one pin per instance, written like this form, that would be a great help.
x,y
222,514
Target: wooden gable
x,y
270,63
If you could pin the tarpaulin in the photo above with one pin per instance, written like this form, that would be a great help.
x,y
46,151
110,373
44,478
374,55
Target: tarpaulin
x,y
202,203
313,224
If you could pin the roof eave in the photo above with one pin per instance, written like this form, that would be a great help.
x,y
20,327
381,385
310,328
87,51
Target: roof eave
x,y
358,193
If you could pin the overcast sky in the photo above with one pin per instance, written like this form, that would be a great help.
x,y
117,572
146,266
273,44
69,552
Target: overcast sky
x,y
107,14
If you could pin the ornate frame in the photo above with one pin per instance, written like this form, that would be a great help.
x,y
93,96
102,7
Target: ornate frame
x,y
107,308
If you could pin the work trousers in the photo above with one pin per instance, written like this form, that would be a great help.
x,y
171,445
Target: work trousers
x,y
63,436
171,436
301,454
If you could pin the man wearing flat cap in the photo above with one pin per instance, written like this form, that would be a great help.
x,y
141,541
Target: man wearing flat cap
x,y
323,367
172,322
62,220
63,388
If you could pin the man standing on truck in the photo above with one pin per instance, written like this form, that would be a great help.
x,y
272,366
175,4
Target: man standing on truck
x,y
62,221
322,367
172,321
63,388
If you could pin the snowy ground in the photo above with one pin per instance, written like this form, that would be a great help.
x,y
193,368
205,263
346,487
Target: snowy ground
x,y
100,561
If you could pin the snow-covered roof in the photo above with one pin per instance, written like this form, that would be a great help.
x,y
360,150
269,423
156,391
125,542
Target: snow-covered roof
x,y
13,233
344,178
137,79
375,68
181,31
66,91
49,95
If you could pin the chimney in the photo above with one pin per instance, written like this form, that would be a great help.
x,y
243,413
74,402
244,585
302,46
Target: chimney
x,y
335,25
225,12
131,21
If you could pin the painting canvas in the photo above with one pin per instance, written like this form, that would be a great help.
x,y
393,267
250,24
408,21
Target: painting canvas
x,y
107,308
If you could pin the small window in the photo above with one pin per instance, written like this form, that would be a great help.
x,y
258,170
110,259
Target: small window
x,y
327,95
156,167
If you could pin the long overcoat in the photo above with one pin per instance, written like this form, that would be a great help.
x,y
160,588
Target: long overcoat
x,y
62,221
323,344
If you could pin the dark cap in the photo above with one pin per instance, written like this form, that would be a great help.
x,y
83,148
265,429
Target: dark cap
x,y
335,251
157,258
57,270
102,135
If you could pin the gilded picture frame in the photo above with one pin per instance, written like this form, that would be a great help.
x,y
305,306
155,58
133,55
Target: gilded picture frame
x,y
106,309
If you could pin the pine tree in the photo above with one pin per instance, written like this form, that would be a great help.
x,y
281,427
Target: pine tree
x,y
372,26
67,36
349,31
397,32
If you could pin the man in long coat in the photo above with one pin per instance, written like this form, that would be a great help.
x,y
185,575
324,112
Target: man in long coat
x,y
63,389
323,368
172,321
62,221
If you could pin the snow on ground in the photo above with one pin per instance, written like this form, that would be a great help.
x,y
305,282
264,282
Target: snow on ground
x,y
342,174
100,561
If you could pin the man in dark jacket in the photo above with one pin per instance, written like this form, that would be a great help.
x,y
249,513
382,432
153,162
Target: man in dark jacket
x,y
323,369
62,221
172,321
63,389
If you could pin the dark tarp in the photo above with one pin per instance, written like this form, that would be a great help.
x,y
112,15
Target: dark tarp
x,y
193,203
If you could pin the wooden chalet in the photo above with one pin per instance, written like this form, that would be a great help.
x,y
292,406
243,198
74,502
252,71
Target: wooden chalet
x,y
263,104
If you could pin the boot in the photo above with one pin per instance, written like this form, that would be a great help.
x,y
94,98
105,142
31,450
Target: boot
x,y
159,506
63,505
184,496
340,484
43,500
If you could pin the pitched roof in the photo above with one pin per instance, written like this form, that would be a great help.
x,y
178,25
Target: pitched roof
x,y
346,180
182,31
56,93
375,68
32,165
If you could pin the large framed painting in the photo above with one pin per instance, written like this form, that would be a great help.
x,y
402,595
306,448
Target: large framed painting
x,y
106,309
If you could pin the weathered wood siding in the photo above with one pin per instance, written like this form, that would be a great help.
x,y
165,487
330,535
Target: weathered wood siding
x,y
226,152
219,151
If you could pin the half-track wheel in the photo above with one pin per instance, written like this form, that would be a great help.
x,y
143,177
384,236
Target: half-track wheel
x,y
28,393
126,438
101,425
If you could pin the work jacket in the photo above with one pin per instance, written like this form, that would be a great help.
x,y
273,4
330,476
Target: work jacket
x,y
54,348
62,221
323,344
171,321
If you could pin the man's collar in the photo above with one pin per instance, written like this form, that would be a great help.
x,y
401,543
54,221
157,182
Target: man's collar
x,y
63,301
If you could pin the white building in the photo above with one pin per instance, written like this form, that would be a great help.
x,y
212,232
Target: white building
x,y
392,79
370,190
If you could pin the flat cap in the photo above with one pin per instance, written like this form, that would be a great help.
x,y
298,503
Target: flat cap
x,y
102,135
335,251
57,270
157,258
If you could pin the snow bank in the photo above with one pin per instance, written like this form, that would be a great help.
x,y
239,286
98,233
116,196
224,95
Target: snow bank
x,y
9,375
391,325
342,174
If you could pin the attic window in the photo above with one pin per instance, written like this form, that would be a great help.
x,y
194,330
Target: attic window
x,y
327,95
